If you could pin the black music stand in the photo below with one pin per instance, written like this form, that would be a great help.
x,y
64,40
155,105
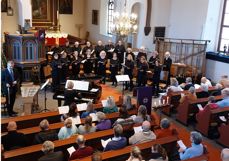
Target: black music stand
x,y
44,87
123,79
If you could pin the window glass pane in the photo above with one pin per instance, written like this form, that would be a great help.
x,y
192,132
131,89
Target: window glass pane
x,y
227,7
226,19
222,43
225,33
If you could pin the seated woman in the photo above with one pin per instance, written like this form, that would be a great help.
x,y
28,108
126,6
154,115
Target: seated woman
x,y
135,154
158,153
89,110
196,148
225,102
110,106
87,127
165,130
127,103
103,123
174,86
190,96
71,113
124,118
70,94
142,115
68,130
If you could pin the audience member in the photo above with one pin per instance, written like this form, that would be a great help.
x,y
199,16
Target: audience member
x,y
50,155
217,91
174,86
225,154
87,127
89,110
135,154
188,83
45,133
96,156
204,93
117,141
165,130
13,139
103,123
124,118
68,130
224,81
143,136
158,153
110,106
142,115
83,150
205,81
71,113
225,101
196,148
127,102
191,95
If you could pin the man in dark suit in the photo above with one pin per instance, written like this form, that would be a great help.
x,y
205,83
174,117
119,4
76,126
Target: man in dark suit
x,y
10,79
167,65
50,155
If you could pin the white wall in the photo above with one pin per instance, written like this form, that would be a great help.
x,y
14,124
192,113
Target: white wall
x,y
187,18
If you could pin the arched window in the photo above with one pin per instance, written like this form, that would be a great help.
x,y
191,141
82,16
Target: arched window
x,y
224,32
16,50
110,15
30,51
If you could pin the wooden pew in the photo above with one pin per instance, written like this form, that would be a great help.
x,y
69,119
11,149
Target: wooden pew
x,y
204,119
34,151
199,158
188,106
34,119
174,97
124,153
224,133
32,131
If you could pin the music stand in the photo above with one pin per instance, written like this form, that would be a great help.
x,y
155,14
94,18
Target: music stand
x,y
122,78
44,87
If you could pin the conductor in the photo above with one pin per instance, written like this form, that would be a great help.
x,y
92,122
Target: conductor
x,y
9,86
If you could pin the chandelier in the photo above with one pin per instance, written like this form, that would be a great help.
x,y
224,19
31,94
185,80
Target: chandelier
x,y
124,23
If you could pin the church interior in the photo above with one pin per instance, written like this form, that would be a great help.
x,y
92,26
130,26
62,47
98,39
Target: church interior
x,y
114,80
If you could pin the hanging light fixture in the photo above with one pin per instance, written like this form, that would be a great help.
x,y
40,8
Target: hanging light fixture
x,y
124,23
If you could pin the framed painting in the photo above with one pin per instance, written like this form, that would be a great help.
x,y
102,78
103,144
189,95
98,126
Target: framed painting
x,y
44,13
4,5
95,16
66,6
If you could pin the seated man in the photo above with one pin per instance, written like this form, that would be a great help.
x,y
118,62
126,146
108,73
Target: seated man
x,y
117,141
83,150
225,101
143,136
50,155
165,130
205,81
225,154
45,133
68,130
13,139
196,148
188,83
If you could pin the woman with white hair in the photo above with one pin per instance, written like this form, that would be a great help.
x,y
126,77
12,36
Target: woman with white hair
x,y
196,148
174,86
142,115
110,106
127,103
225,101
50,155
68,130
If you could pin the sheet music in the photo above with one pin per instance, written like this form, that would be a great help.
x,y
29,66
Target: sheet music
x,y
76,120
181,144
94,89
104,103
105,142
79,85
94,117
82,107
223,118
29,91
63,109
200,107
71,150
137,129
197,86
122,78
50,52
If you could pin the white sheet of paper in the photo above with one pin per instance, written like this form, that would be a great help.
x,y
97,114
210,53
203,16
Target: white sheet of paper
x,y
83,61
197,86
122,78
50,52
76,121
105,142
223,118
181,144
94,89
82,107
137,129
104,103
71,150
79,85
94,117
133,116
63,109
200,107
